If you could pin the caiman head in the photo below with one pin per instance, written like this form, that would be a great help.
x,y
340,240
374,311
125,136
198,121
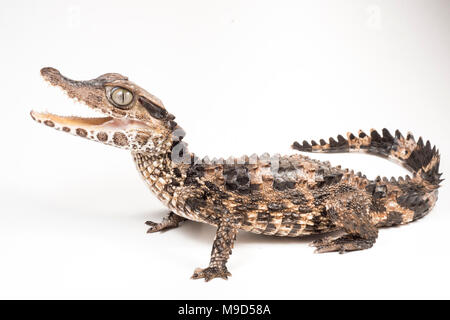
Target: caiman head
x,y
132,118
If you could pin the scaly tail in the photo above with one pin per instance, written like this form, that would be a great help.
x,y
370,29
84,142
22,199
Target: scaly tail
x,y
396,201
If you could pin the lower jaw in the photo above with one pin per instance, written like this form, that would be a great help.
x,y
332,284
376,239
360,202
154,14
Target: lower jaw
x,y
67,123
122,133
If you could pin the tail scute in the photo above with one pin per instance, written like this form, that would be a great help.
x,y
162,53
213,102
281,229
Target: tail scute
x,y
418,157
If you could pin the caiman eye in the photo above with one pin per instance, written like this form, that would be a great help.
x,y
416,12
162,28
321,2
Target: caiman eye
x,y
121,96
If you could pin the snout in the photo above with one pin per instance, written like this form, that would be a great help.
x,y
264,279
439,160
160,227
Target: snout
x,y
51,75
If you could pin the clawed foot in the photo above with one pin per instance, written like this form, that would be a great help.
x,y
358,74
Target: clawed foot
x,y
171,221
155,227
341,244
211,273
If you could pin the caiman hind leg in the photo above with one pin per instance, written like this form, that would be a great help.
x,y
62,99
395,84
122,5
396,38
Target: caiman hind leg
x,y
221,251
350,215
170,221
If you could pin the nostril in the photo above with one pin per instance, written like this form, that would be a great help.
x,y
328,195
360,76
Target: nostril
x,y
51,75
49,70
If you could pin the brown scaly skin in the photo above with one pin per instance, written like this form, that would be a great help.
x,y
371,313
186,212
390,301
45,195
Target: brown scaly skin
x,y
279,195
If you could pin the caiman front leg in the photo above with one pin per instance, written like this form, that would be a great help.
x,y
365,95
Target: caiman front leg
x,y
350,214
169,222
221,251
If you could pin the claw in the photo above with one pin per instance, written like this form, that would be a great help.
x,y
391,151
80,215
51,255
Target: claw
x,y
211,273
154,227
151,223
169,222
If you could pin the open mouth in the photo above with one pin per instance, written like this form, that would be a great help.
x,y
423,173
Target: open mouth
x,y
77,123
69,121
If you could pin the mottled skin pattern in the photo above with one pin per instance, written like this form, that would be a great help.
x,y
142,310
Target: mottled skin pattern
x,y
271,195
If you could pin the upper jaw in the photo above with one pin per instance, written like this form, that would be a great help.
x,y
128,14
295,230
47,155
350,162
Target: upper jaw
x,y
92,94
55,78
89,92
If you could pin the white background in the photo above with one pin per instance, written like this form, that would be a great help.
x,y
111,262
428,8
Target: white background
x,y
242,77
